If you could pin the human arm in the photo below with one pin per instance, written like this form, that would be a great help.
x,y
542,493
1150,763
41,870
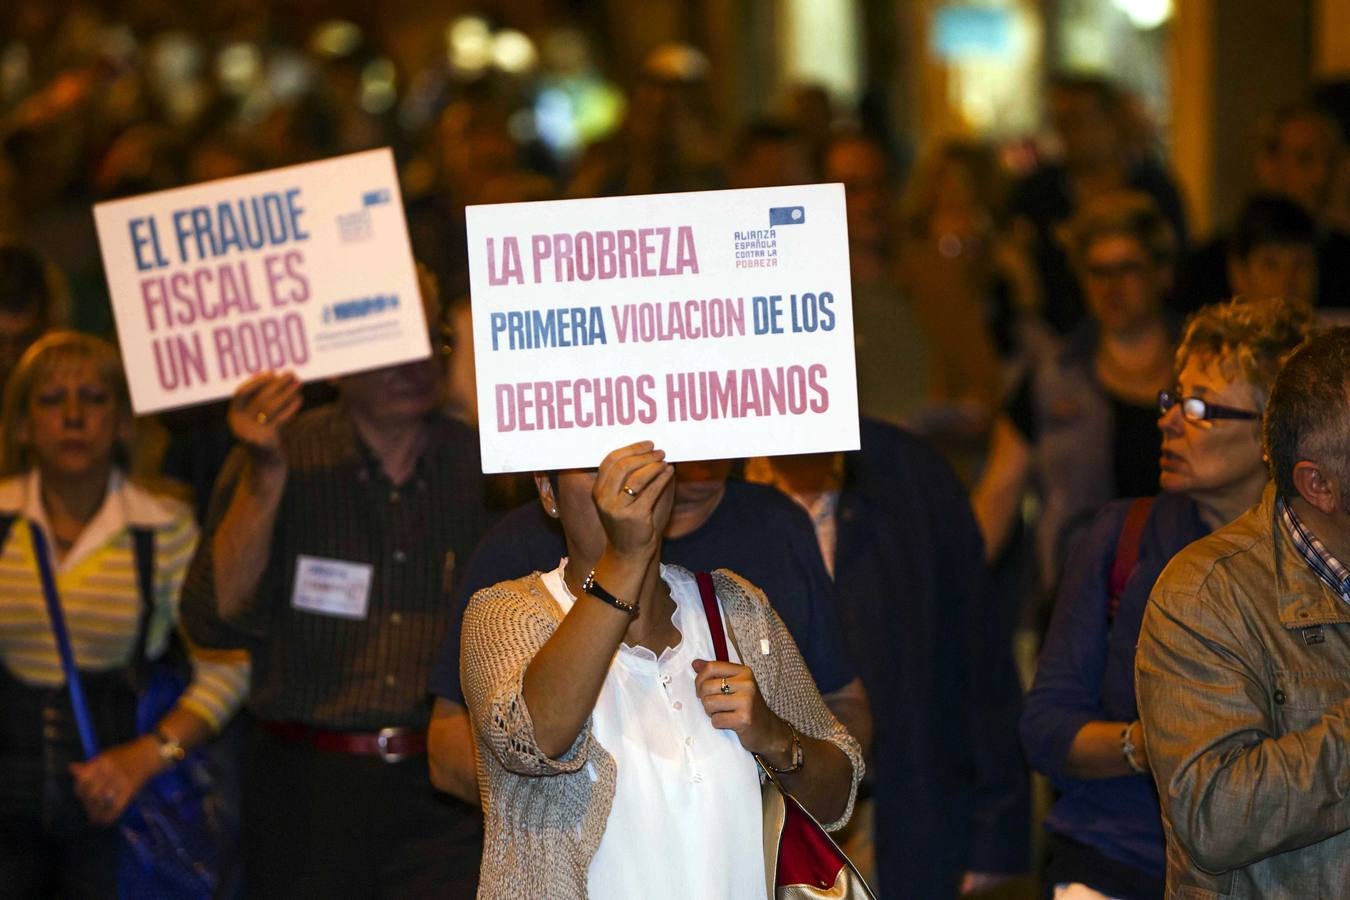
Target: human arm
x,y
997,497
218,684
1235,786
768,702
1064,729
563,680
451,751
531,682
241,544
849,705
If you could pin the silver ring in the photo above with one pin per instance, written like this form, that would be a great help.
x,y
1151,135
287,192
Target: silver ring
x,y
629,491
726,688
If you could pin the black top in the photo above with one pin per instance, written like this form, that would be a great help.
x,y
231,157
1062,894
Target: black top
x,y
1137,443
756,531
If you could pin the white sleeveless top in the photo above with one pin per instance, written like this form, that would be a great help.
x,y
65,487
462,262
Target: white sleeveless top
x,y
686,820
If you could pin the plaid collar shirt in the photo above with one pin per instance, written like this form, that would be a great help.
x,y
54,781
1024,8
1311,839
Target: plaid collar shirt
x,y
1314,552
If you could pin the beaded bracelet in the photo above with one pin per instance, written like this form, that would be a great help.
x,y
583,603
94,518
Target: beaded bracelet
x,y
590,586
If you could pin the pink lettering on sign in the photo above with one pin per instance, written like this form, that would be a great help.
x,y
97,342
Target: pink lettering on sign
x,y
564,257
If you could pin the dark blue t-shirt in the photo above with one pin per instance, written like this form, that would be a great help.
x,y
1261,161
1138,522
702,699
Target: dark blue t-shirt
x,y
756,531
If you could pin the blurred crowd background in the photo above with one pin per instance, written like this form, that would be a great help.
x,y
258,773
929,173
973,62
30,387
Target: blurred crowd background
x,y
967,134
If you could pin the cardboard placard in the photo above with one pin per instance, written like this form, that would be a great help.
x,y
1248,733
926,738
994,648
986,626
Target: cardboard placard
x,y
305,268
717,324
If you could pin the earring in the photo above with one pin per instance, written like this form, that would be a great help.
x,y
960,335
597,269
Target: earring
x,y
553,510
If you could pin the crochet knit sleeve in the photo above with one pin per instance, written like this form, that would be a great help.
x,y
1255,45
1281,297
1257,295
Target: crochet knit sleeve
x,y
504,627
767,647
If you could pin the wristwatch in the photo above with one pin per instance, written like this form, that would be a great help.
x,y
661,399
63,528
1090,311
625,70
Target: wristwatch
x,y
798,757
170,750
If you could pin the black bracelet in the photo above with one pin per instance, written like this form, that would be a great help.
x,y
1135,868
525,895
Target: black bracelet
x,y
590,586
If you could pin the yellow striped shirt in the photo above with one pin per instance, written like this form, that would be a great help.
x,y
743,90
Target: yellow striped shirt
x,y
100,599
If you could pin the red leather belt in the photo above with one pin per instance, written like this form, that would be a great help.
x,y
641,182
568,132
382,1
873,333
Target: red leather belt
x,y
389,744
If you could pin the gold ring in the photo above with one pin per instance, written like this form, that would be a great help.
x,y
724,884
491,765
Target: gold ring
x,y
726,688
261,418
629,491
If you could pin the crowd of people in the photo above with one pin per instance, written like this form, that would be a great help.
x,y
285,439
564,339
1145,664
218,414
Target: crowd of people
x,y
1077,423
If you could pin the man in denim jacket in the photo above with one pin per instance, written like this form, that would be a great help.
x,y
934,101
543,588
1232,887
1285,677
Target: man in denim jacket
x,y
1243,667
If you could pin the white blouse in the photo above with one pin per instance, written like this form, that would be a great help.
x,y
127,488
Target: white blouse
x,y
686,820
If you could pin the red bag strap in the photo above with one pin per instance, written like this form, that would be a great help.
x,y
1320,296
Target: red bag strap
x,y
713,614
1127,551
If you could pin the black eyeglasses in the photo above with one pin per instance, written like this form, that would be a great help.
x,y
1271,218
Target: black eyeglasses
x,y
1193,409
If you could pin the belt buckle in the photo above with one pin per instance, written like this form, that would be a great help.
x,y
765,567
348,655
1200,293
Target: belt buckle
x,y
382,740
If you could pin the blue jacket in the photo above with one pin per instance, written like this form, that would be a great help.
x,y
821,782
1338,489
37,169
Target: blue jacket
x,y
1086,673
915,605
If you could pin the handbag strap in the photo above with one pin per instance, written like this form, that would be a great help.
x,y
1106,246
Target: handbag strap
x,y
143,544
713,613
84,722
1127,552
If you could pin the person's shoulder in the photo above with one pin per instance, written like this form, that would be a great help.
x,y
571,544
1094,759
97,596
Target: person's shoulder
x,y
12,495
901,448
740,598
1207,565
155,505
526,592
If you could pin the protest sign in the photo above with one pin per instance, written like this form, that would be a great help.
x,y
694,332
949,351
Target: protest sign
x,y
305,268
717,324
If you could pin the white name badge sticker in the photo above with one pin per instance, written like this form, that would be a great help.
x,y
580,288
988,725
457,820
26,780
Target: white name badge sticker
x,y
332,587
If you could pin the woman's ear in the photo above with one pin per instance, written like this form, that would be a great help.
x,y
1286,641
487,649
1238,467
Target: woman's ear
x,y
546,496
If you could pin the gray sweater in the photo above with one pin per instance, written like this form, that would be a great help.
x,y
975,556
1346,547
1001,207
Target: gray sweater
x,y
544,817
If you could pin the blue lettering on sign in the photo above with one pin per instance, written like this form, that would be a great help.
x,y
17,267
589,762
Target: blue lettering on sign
x,y
359,308
375,198
787,215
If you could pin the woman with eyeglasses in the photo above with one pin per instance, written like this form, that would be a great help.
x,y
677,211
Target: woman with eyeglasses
x,y
1080,725
1081,424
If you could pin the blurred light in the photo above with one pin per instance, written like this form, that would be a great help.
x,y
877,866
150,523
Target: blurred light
x,y
289,75
378,82
175,57
575,112
14,71
119,44
1145,14
335,38
964,32
469,44
513,52
237,67
677,62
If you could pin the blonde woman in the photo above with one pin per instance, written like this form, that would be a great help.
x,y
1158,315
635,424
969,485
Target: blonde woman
x,y
64,460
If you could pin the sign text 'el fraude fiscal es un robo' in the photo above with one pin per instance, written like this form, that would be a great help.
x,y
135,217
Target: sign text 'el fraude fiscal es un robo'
x,y
716,323
306,268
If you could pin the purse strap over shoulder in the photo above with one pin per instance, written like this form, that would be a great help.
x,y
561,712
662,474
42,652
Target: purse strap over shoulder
x,y
713,613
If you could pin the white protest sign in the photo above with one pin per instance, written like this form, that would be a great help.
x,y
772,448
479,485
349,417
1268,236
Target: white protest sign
x,y
305,268
717,324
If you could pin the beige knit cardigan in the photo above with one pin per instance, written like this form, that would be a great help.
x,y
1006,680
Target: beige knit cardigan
x,y
544,817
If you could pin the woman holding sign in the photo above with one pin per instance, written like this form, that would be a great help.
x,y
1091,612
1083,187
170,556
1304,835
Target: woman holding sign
x,y
616,750
64,485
